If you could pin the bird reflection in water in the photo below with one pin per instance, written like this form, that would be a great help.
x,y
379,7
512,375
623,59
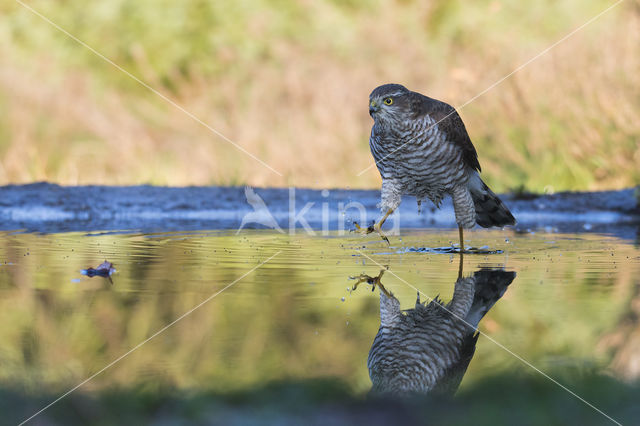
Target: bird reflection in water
x,y
427,349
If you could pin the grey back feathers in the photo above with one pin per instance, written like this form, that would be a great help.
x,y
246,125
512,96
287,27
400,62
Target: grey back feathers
x,y
390,89
428,348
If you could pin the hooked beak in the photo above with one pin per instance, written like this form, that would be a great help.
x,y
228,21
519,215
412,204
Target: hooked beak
x,y
373,108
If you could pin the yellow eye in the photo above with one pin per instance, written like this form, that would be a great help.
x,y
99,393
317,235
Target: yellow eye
x,y
388,101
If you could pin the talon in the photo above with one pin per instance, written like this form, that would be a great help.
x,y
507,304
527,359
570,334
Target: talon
x,y
370,229
361,278
373,281
376,227
362,230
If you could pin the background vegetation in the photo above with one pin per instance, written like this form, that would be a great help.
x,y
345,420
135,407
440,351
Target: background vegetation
x,y
289,80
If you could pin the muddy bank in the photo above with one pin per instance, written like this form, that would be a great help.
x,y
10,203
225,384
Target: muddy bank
x,y
44,207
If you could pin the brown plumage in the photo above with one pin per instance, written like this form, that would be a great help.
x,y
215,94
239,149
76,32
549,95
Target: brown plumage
x,y
450,123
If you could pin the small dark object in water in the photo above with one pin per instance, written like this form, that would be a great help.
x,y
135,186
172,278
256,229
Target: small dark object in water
x,y
451,249
105,269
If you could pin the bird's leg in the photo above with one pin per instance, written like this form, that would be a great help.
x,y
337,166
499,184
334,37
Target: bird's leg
x,y
376,227
461,251
373,281
461,233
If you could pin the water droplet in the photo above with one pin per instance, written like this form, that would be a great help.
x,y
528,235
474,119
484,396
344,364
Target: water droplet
x,y
342,299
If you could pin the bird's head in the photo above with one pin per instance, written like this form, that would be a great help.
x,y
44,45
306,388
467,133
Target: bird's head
x,y
389,102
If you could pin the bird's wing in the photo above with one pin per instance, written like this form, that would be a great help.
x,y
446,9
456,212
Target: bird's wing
x,y
450,122
449,382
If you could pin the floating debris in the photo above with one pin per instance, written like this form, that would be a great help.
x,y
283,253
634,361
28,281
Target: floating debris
x,y
105,269
451,249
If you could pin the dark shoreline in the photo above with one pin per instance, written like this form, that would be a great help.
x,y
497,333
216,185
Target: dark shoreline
x,y
50,208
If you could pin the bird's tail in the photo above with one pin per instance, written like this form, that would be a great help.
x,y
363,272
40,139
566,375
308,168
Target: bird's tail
x,y
490,285
490,210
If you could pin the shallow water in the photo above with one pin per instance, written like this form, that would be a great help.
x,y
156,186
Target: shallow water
x,y
295,317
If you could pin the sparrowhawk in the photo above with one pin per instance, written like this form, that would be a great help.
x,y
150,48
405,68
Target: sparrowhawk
x,y
427,349
421,148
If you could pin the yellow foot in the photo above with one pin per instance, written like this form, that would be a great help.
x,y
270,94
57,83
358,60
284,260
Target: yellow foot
x,y
370,229
372,281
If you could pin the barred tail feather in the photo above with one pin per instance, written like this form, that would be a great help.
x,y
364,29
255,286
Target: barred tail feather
x,y
490,285
490,210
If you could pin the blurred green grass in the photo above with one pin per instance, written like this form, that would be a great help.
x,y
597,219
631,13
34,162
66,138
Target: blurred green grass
x,y
289,81
499,400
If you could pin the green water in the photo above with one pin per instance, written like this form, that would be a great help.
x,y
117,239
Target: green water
x,y
570,307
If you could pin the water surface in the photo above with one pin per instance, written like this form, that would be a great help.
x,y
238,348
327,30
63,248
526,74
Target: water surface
x,y
295,317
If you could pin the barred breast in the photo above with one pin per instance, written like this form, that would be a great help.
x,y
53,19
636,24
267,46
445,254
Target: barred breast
x,y
414,158
413,351
428,348
416,363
